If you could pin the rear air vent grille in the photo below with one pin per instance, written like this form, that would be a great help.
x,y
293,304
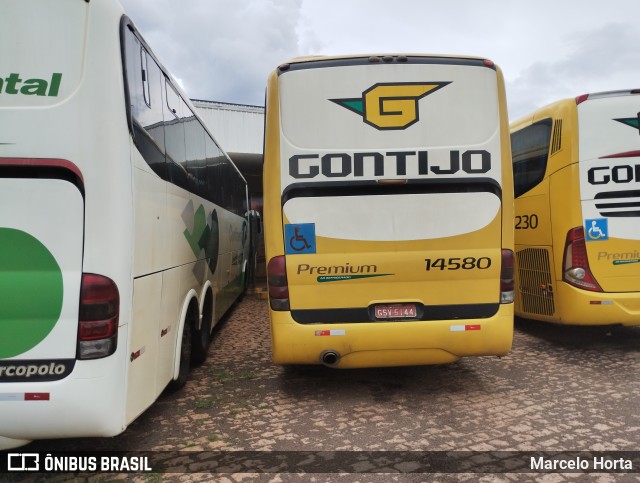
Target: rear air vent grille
x,y
556,141
534,284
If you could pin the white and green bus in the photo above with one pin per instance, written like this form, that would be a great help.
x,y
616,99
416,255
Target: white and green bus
x,y
123,230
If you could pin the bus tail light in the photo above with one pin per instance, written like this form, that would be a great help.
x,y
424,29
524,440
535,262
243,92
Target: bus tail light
x,y
507,282
278,284
98,320
576,269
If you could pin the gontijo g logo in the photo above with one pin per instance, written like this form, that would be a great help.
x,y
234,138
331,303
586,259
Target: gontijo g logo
x,y
388,106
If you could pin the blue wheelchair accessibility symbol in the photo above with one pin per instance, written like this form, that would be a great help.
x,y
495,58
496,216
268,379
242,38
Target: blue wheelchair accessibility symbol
x,y
300,238
596,230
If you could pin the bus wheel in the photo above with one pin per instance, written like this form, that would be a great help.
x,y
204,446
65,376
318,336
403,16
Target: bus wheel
x,y
185,350
201,338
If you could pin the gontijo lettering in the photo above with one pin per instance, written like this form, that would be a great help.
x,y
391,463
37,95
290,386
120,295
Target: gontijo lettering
x,y
416,163
14,84
623,173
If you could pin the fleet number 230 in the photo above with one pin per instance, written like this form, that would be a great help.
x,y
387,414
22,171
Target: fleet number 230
x,y
527,222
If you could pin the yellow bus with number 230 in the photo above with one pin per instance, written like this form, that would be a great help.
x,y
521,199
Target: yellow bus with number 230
x,y
576,170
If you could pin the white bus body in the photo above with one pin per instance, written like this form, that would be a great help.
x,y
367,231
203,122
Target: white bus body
x,y
117,255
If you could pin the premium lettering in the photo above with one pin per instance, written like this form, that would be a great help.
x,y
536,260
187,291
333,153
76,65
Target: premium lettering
x,y
619,256
347,268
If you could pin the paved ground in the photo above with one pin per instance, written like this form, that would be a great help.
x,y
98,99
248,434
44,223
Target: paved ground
x,y
560,389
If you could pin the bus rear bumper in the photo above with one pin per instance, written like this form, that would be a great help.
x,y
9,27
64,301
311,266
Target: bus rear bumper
x,y
76,406
582,307
384,344
10,443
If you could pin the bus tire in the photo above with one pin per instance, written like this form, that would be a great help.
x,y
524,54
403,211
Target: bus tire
x,y
202,336
185,349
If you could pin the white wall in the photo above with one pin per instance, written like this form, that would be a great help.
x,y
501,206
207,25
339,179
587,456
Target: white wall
x,y
237,128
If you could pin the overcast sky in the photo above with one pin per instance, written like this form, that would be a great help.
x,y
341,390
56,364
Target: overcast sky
x,y
223,50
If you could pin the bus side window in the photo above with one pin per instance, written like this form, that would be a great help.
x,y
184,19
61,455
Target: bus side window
x,y
174,137
196,153
530,151
144,87
144,59
215,163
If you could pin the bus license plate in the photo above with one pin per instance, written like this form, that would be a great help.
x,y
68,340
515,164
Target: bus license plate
x,y
396,311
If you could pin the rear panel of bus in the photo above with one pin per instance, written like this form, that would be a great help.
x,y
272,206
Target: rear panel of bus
x,y
64,177
577,170
385,194
609,167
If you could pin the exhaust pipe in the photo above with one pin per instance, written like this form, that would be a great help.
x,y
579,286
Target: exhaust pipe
x,y
329,358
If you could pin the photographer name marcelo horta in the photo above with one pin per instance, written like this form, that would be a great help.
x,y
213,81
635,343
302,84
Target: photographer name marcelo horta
x,y
586,464
324,462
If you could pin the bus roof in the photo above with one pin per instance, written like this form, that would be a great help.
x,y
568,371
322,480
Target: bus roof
x,y
384,57
540,112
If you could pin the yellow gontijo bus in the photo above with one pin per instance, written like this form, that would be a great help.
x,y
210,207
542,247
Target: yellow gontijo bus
x,y
576,167
388,205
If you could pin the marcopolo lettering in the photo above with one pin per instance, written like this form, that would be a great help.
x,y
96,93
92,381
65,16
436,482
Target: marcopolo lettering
x,y
32,370
14,84
618,174
35,370
342,165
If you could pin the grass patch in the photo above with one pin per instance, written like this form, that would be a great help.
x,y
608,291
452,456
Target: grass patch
x,y
204,404
222,375
215,437
247,375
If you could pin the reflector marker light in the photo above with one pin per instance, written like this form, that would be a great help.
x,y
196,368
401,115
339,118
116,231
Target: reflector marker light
x,y
325,333
27,396
464,328
580,99
136,354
